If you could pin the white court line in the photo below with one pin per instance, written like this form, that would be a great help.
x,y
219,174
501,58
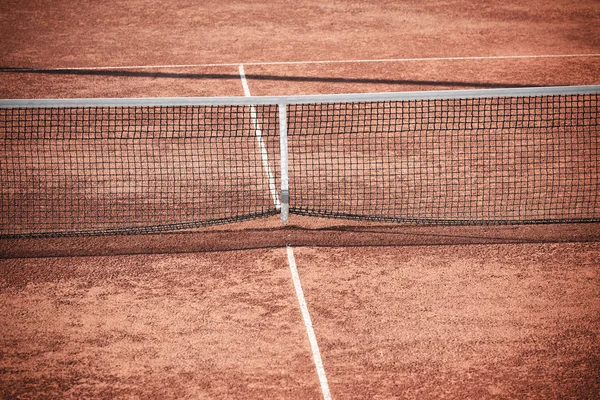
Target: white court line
x,y
308,324
316,62
261,144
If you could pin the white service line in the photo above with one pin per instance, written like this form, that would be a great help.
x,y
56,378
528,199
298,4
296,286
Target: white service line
x,y
316,62
308,324
261,144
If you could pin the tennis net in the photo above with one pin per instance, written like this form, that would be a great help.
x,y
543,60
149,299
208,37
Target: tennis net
x,y
116,166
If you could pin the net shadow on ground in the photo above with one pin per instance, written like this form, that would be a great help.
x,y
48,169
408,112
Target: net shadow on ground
x,y
251,235
258,77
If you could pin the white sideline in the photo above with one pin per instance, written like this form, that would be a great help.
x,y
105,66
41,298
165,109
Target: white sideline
x,y
290,253
259,63
261,144
308,324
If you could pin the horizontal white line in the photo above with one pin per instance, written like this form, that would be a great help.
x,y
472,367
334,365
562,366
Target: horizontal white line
x,y
302,99
259,63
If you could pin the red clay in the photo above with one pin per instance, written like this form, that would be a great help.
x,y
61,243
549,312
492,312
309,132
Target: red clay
x,y
511,320
479,321
146,32
497,321
218,325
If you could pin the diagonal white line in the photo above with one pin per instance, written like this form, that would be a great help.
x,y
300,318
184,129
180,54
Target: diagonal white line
x,y
312,338
261,144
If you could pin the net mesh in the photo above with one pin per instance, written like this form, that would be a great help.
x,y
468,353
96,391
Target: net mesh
x,y
134,169
454,161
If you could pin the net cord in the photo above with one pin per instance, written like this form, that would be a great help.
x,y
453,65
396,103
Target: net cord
x,y
304,99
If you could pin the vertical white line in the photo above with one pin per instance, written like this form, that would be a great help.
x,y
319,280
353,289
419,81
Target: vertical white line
x,y
261,144
308,324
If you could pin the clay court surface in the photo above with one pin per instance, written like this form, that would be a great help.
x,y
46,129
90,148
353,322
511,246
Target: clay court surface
x,y
497,312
